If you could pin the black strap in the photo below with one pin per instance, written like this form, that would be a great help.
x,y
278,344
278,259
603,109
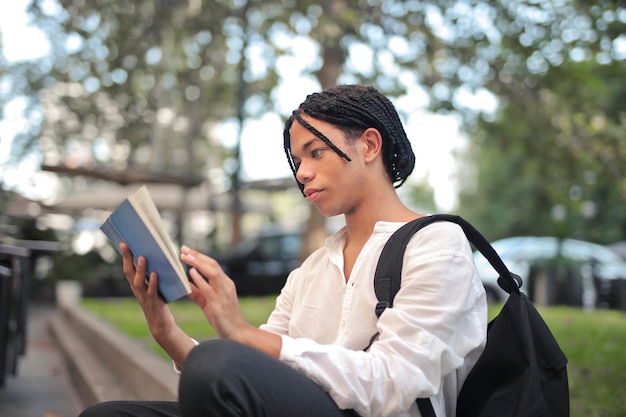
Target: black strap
x,y
388,275
425,407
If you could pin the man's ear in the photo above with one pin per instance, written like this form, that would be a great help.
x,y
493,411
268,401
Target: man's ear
x,y
372,142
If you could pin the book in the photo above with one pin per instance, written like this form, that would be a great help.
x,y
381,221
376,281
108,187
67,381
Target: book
x,y
137,222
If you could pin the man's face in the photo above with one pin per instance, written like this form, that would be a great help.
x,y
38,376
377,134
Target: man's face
x,y
326,176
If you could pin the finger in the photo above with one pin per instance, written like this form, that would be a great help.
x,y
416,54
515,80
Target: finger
x,y
139,280
195,291
197,297
206,265
127,261
153,284
200,281
194,255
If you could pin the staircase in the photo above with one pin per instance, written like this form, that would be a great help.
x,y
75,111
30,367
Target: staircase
x,y
105,364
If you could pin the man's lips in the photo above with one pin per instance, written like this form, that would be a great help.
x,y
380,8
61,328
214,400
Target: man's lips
x,y
312,194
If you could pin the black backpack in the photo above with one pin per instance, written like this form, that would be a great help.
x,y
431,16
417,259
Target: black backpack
x,y
522,371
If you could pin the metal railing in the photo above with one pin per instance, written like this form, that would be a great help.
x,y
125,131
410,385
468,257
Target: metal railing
x,y
14,277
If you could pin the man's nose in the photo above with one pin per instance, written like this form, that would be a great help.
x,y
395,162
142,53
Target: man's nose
x,y
304,173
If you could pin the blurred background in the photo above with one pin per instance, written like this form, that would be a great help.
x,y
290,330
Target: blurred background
x,y
516,111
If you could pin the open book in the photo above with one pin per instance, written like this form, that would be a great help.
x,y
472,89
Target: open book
x,y
137,223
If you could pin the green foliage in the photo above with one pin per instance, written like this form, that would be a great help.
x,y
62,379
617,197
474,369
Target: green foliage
x,y
551,161
561,149
149,79
143,83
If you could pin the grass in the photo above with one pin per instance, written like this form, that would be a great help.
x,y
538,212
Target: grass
x,y
595,345
593,341
126,315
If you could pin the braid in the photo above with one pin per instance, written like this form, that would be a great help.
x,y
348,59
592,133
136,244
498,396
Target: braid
x,y
354,108
320,135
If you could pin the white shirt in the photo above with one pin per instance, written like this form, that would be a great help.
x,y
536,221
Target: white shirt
x,y
428,341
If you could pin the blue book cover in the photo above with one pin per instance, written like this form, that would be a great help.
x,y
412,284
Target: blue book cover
x,y
137,223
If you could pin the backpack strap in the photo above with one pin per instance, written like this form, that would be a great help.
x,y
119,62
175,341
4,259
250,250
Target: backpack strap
x,y
388,275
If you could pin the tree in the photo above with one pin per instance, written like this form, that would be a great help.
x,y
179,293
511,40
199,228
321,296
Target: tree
x,y
132,84
128,75
136,83
554,163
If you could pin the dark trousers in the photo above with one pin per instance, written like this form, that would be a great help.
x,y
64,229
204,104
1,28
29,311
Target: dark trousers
x,y
224,378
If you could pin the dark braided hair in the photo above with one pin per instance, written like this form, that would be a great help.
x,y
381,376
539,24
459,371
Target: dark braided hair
x,y
353,109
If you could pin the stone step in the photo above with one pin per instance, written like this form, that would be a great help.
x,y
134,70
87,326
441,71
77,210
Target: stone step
x,y
108,365
91,377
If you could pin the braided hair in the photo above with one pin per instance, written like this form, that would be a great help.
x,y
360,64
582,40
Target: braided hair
x,y
353,109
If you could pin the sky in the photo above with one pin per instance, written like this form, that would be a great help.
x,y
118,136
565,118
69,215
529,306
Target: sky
x,y
434,137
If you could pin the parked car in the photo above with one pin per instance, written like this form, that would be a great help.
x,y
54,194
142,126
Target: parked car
x,y
569,272
260,266
619,248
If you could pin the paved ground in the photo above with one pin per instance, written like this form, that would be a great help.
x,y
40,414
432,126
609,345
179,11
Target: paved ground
x,y
42,386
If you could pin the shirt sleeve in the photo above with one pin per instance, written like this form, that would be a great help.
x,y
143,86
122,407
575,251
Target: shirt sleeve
x,y
176,368
438,319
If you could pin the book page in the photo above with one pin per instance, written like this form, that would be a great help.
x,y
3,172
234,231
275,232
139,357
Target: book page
x,y
147,210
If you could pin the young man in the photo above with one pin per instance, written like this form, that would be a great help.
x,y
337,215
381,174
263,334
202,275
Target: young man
x,y
317,356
